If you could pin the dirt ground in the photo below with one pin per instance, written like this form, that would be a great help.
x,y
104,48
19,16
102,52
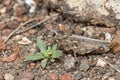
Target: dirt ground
x,y
87,52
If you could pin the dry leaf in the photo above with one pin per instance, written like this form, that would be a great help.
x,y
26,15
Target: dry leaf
x,y
13,56
2,45
24,41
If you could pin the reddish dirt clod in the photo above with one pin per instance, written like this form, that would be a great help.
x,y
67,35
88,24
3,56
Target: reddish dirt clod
x,y
54,76
2,45
32,65
13,56
66,77
2,25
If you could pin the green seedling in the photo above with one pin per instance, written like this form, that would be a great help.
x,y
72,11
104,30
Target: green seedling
x,y
47,53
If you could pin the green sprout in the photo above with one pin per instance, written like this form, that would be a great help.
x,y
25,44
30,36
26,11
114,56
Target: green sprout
x,y
47,53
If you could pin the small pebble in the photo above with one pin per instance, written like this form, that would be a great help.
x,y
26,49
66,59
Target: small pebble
x,y
78,75
8,76
100,63
111,78
31,3
69,63
3,10
61,27
108,37
84,65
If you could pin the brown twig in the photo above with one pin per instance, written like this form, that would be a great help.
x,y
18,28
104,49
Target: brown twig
x,y
11,34
111,65
90,39
38,23
23,24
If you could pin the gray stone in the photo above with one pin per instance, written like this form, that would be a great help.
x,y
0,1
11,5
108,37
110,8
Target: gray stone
x,y
96,11
69,63
84,65
78,75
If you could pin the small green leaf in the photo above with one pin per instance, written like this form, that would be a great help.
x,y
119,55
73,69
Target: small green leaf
x,y
52,60
46,54
54,47
49,48
57,54
41,45
34,57
44,63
